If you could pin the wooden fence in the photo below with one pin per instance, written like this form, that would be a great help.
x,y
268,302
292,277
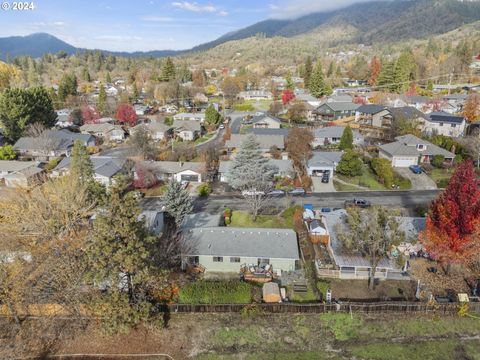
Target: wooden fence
x,y
384,307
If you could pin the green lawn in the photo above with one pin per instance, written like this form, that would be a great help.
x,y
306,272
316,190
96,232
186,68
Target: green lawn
x,y
244,219
204,138
343,187
441,176
155,191
216,292
369,180
262,105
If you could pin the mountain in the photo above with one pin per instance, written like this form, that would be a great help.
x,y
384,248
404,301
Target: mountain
x,y
367,23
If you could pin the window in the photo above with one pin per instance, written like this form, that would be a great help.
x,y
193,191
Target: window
x,y
218,259
263,262
454,125
193,260
420,147
441,124
234,259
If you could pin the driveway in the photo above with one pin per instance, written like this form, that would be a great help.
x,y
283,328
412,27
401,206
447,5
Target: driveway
x,y
419,181
319,187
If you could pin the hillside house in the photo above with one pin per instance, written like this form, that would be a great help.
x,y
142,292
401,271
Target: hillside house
x,y
334,110
200,117
255,95
284,168
442,123
331,135
374,120
187,130
105,131
322,161
265,121
178,170
265,142
20,173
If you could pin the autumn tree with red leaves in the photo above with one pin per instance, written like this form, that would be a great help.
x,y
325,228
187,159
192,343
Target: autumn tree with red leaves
x,y
412,90
452,225
90,114
144,178
375,68
287,96
126,114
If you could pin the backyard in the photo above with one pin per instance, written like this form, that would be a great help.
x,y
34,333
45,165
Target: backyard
x,y
253,335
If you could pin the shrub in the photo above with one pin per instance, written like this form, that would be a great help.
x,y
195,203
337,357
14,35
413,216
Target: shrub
x,y
52,164
350,164
216,292
383,169
438,160
204,190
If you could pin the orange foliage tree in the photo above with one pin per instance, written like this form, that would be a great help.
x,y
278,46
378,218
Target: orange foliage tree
x,y
453,222
375,68
471,110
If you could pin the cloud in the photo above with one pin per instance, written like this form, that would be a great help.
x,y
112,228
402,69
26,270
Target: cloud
x,y
157,18
196,7
285,9
49,24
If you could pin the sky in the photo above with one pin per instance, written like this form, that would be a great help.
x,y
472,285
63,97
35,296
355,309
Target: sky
x,y
143,25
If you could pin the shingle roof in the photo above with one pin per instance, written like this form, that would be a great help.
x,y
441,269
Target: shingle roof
x,y
42,143
12,165
98,128
102,165
441,116
321,158
406,146
371,109
263,118
201,220
260,131
65,134
245,242
264,141
173,167
189,125
407,112
341,106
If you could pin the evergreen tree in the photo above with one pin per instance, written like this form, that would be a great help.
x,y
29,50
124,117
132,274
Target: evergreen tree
x,y
81,167
102,100
403,72
135,92
318,87
67,86
22,107
346,141
350,164
212,116
177,201
168,70
86,75
386,78
108,78
289,85
121,255
331,69
307,72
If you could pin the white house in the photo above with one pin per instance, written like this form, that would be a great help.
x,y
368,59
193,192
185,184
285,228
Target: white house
x,y
322,161
284,168
190,117
410,150
111,90
180,171
19,173
255,95
332,135
187,130
442,123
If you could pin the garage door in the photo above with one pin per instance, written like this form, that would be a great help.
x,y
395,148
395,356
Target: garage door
x,y
404,162
193,178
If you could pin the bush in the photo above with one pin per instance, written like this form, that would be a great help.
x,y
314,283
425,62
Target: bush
x,y
383,169
52,164
216,292
350,164
204,190
438,161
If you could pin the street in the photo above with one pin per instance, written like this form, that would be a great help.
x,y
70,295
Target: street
x,y
404,199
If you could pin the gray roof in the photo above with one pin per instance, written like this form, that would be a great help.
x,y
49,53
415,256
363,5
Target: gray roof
x,y
260,131
416,99
407,112
371,109
306,97
245,242
190,115
341,255
321,158
149,217
13,166
188,125
334,132
264,141
458,97
441,116
99,128
341,106
173,167
339,98
406,146
42,143
102,165
65,134
263,118
284,166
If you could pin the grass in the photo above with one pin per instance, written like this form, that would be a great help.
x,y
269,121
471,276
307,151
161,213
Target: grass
x,y
343,326
245,129
344,187
204,138
369,180
441,176
286,355
427,350
243,219
262,105
155,191
216,292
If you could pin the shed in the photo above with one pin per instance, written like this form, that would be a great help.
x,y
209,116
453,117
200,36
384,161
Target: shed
x,y
271,293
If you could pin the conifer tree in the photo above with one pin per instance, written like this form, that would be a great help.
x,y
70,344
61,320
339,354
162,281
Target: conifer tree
x,y
289,85
346,141
81,166
318,87
307,72
177,201
108,78
168,70
102,100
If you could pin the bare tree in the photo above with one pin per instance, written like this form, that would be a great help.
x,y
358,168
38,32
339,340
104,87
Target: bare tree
x,y
372,233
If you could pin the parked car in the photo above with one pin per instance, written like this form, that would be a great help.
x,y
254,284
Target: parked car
x,y
252,193
325,178
221,126
297,192
415,169
358,203
276,193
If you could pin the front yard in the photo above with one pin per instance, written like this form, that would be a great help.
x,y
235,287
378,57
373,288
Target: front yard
x,y
284,220
204,138
441,176
367,181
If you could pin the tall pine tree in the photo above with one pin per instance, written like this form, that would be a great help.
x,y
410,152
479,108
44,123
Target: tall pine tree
x,y
318,87
102,100
177,201
307,72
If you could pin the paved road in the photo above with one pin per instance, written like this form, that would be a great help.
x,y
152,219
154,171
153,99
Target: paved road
x,y
236,121
405,199
122,151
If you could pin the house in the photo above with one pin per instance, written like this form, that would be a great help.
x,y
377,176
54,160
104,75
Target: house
x,y
350,264
111,91
255,95
374,120
442,123
308,99
105,131
169,109
456,101
322,161
179,170
265,142
141,109
190,117
260,131
330,111
187,130
105,168
63,118
20,173
85,139
43,147
420,103
154,221
332,135
285,168
225,249
266,122
339,98
410,150
158,130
